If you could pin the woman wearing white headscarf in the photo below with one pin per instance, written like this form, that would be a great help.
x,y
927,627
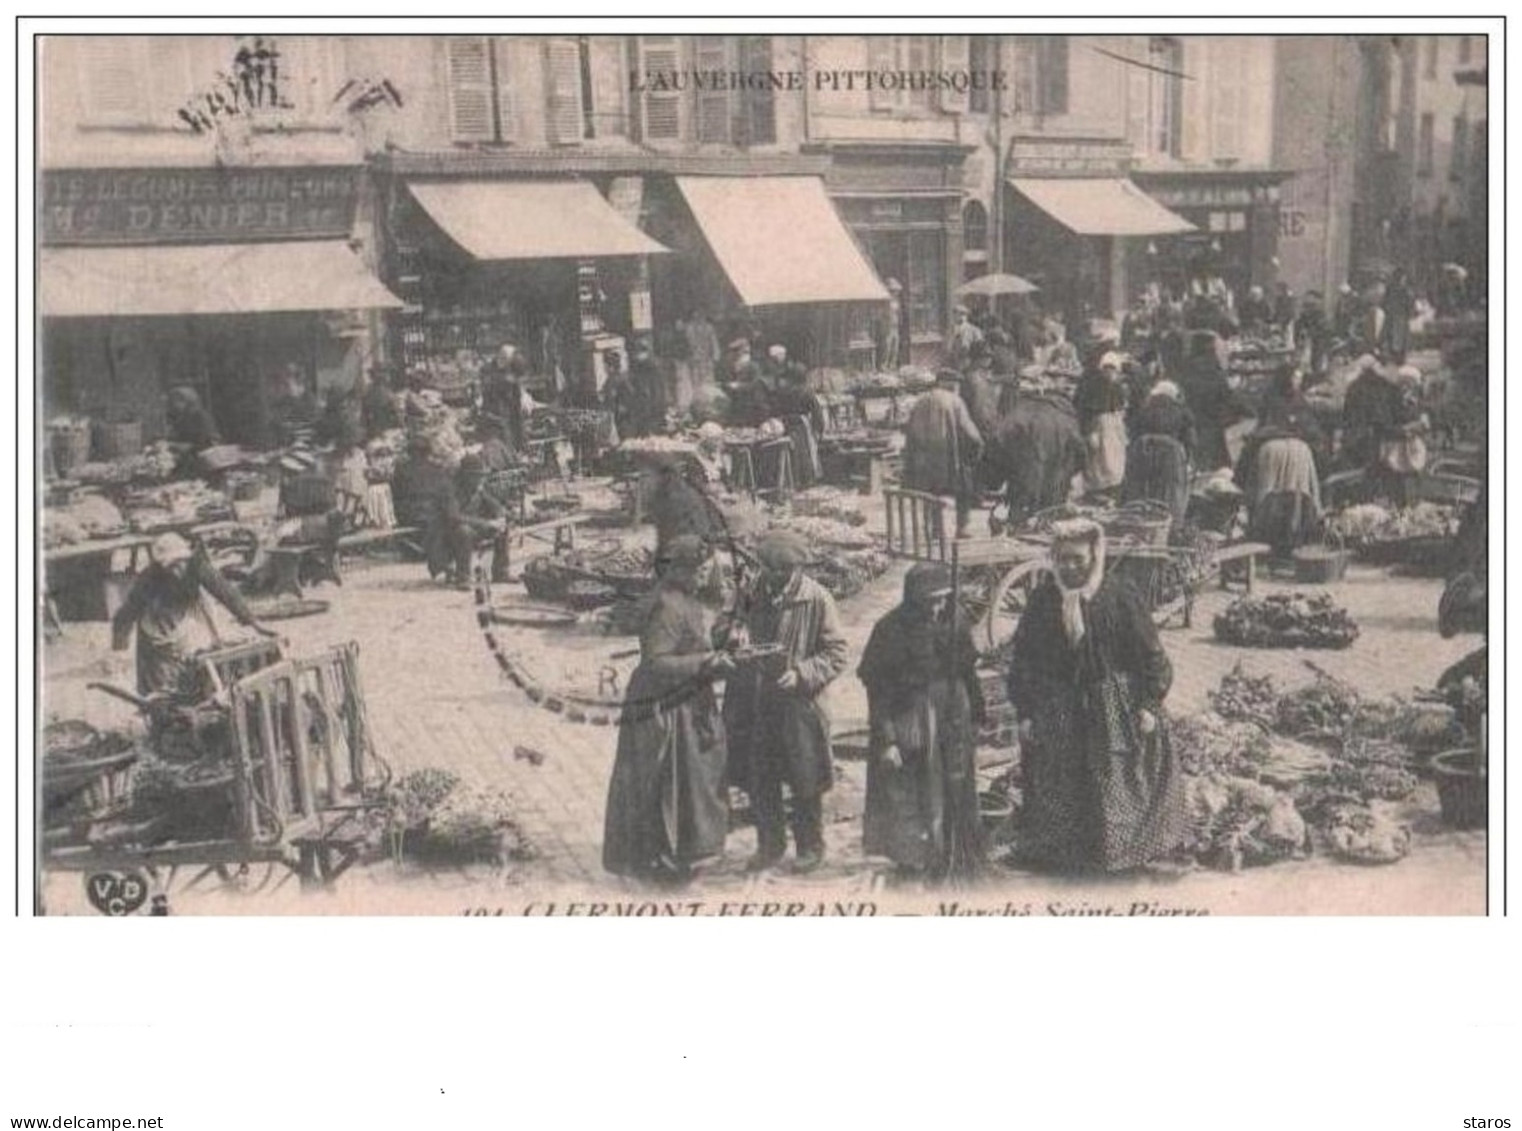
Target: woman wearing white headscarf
x,y
1101,404
1087,677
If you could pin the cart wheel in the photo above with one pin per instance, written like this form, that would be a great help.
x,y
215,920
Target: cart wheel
x,y
1004,607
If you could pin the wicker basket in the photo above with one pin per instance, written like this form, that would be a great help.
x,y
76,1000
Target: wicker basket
x,y
70,447
119,440
1462,791
1320,565
1143,523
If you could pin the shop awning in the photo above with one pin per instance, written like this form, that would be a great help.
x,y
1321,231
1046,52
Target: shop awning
x,y
1100,206
780,241
506,220
245,278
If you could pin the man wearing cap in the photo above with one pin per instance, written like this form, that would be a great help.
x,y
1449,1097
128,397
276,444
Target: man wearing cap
x,y
667,812
777,727
942,447
165,606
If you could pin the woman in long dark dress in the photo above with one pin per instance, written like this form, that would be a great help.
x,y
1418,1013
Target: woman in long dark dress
x,y
667,811
924,704
1087,677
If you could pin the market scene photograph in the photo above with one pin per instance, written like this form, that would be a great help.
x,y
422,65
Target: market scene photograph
x,y
762,474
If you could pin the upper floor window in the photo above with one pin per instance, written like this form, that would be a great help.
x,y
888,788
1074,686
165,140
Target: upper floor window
x,y
981,60
893,55
1228,91
1165,55
1424,146
1051,75
1466,45
1429,57
584,89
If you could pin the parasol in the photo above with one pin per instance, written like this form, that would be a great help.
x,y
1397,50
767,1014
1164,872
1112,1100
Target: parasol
x,y
998,284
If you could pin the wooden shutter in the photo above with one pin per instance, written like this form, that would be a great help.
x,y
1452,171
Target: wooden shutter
x,y
562,67
1458,156
882,55
661,119
1229,95
759,119
610,113
714,107
917,59
469,75
503,89
956,59
115,79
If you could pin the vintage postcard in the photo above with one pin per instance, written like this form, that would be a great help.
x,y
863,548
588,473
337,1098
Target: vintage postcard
x,y
763,475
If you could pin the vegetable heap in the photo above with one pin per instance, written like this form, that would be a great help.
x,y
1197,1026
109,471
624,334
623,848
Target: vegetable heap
x,y
1286,620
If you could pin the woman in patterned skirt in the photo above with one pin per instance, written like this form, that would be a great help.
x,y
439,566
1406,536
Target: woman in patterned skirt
x,y
1087,677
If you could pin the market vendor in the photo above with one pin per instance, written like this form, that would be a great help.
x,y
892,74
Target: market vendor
x,y
502,392
293,408
462,513
802,415
166,609
191,428
925,702
667,810
1038,450
1278,474
777,727
1087,675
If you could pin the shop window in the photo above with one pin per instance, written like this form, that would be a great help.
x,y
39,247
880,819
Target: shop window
x,y
480,93
1165,55
1429,57
660,110
1458,155
1424,146
981,60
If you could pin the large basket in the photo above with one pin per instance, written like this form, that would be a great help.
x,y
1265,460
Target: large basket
x,y
1462,791
118,440
1320,565
1142,523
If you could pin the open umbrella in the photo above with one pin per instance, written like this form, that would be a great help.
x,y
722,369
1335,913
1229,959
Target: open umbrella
x,y
998,284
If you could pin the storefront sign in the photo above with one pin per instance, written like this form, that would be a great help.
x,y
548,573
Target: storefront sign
x,y
1292,224
152,206
1200,196
1031,157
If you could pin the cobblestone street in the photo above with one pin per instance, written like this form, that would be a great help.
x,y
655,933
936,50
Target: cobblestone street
x,y
436,697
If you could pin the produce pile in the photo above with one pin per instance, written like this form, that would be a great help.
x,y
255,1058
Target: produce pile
x,y
1286,620
830,502
1369,524
430,816
658,445
90,516
182,503
826,533
152,465
846,573
1274,775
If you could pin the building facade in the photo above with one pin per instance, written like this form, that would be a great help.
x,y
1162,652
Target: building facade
x,y
205,220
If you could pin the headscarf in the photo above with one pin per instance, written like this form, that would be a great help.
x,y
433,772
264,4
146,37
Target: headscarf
x,y
169,548
1086,531
1166,389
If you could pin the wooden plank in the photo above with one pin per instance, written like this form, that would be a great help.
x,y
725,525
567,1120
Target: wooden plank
x,y
279,797
328,693
303,754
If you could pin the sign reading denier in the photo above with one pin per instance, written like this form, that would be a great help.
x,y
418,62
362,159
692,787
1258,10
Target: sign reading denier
x,y
151,206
